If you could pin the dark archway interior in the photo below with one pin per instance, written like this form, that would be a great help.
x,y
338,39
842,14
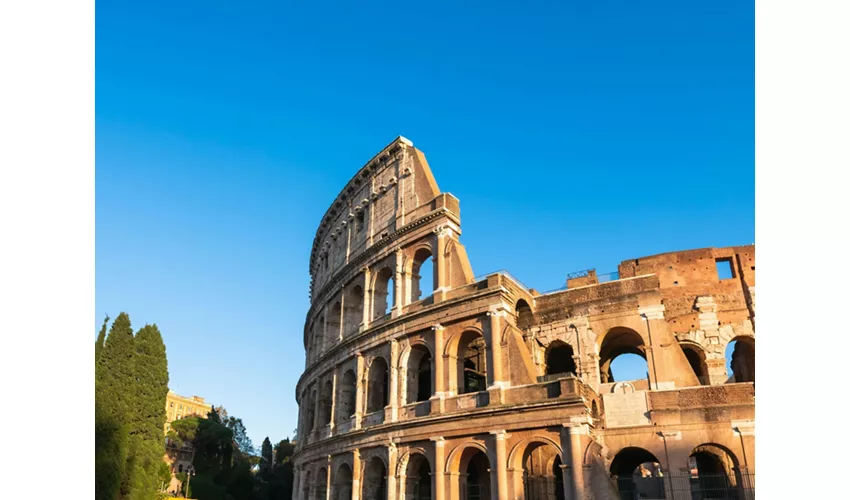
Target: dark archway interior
x,y
558,472
342,481
424,382
378,385
347,396
696,358
628,460
478,477
524,316
472,358
419,478
559,359
375,480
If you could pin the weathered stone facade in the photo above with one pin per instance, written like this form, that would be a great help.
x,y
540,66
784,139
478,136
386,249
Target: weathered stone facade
x,y
488,389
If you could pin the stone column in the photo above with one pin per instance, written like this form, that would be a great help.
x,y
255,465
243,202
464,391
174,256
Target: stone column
x,y
495,377
441,265
398,294
393,380
571,443
334,399
392,465
341,333
439,468
329,482
438,398
355,474
668,436
358,394
296,484
367,298
501,491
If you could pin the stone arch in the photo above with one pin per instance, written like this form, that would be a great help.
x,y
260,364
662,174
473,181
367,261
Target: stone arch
x,y
516,453
346,403
742,358
470,468
536,461
333,326
559,358
421,255
637,473
325,403
616,342
374,476
377,388
417,364
383,286
696,356
342,482
353,317
416,475
716,465
524,314
470,351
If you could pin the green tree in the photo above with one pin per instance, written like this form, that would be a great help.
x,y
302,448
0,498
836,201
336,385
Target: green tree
x,y
267,459
98,344
240,435
147,418
114,388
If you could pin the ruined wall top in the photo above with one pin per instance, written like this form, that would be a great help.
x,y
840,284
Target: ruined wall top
x,y
394,188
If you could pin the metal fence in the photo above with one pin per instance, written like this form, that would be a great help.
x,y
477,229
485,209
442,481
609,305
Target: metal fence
x,y
687,486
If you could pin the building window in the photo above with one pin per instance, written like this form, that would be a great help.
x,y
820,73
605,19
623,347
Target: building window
x,y
361,220
725,270
171,404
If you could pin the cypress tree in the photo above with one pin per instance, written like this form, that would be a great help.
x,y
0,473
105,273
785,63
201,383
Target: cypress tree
x,y
98,344
147,418
114,386
266,462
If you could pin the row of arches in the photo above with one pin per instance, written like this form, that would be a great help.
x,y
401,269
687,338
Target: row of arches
x,y
345,315
712,471
469,471
418,383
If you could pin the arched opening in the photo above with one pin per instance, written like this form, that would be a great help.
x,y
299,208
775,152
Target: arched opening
x,y
622,357
378,395
419,374
375,480
524,316
417,481
347,396
541,472
559,359
342,483
316,338
311,411
326,403
696,358
741,360
322,484
353,310
332,328
472,363
714,472
383,292
422,276
475,475
638,474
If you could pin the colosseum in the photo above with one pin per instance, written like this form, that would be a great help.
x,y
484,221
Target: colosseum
x,y
466,387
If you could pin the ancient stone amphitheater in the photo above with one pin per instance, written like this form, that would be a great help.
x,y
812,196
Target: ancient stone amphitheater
x,y
452,386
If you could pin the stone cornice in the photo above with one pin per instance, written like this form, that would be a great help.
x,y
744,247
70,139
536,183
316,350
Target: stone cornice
x,y
389,154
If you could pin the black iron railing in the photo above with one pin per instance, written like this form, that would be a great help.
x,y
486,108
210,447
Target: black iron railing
x,y
739,486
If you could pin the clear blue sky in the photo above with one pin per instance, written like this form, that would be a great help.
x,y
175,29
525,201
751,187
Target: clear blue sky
x,y
575,134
